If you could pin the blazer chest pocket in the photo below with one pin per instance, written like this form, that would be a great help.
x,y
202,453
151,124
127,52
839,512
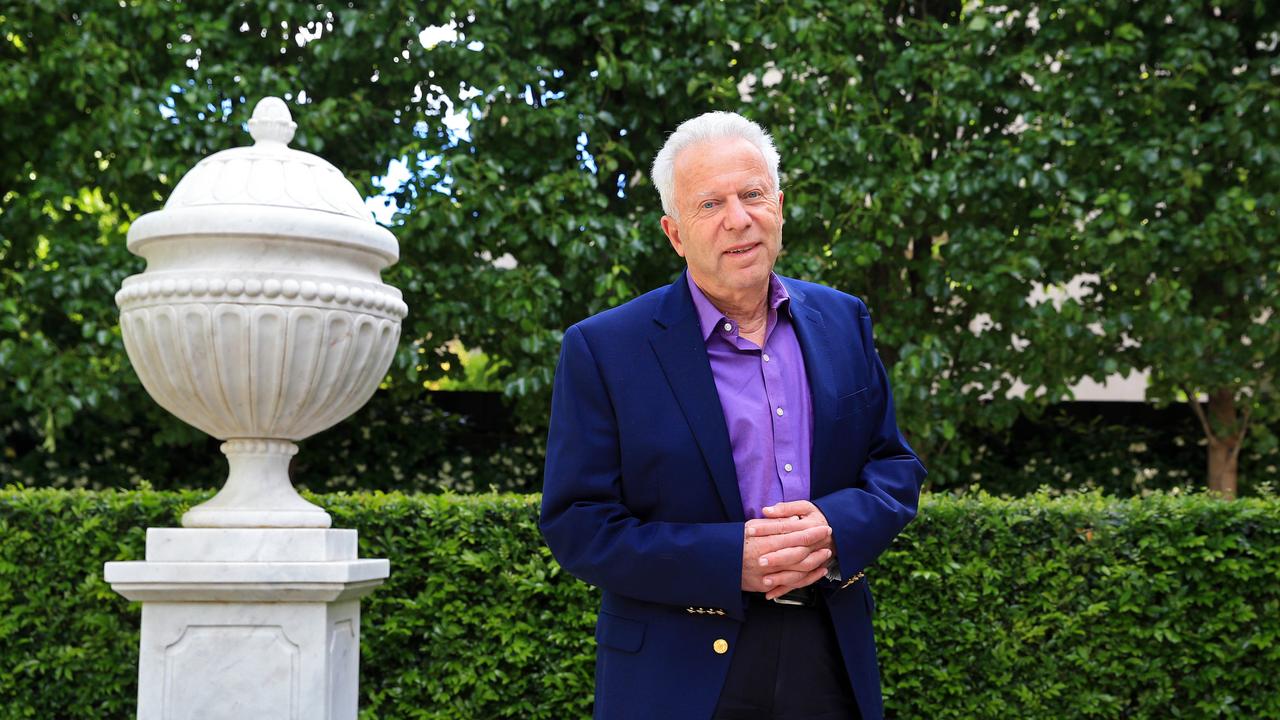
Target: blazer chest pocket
x,y
853,403
619,633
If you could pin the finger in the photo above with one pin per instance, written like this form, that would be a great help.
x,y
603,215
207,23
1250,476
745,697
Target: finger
x,y
814,576
776,526
786,577
785,558
824,544
778,592
806,581
814,561
812,535
800,538
783,509
801,559
815,536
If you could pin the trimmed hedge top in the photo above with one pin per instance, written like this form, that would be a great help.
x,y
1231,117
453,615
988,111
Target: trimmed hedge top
x,y
1073,607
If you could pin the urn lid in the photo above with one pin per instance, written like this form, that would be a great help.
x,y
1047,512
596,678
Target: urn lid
x,y
267,190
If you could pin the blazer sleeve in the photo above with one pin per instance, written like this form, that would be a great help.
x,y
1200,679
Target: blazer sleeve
x,y
587,524
866,517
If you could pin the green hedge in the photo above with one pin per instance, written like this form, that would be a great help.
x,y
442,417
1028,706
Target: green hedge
x,y
1072,607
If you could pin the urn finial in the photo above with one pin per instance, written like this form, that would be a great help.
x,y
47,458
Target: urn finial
x,y
271,122
261,317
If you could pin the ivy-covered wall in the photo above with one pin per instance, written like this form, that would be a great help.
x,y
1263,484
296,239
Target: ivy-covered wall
x,y
1036,608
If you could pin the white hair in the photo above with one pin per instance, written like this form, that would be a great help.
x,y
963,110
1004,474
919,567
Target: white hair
x,y
708,126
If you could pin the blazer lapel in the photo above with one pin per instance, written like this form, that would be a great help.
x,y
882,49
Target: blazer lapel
x,y
815,345
682,352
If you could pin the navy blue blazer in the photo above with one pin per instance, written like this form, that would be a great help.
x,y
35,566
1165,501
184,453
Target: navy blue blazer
x,y
641,496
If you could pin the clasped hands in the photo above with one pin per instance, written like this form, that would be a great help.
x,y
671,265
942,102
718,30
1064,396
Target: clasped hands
x,y
790,547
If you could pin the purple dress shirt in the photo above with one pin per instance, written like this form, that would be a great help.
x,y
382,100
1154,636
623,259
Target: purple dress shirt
x,y
764,393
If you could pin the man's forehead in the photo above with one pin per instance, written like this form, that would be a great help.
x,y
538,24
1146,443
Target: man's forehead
x,y
737,180
718,151
710,166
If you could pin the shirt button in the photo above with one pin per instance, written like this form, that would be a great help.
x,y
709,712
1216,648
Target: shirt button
x,y
787,467
766,357
779,412
728,327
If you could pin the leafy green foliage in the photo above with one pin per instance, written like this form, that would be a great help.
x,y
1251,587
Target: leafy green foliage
x,y
1121,449
941,163
476,620
1054,608
1083,607
390,445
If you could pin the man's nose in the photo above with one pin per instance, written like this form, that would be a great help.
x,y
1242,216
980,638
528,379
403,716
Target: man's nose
x,y
736,216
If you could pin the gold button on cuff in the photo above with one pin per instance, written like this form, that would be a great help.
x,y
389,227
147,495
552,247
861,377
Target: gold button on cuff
x,y
853,580
721,646
704,611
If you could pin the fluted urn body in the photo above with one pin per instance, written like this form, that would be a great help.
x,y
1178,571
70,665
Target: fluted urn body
x,y
261,318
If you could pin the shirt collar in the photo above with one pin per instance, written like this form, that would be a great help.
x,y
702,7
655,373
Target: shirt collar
x,y
710,317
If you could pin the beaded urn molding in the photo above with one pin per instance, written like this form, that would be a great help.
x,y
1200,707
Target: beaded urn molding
x,y
261,318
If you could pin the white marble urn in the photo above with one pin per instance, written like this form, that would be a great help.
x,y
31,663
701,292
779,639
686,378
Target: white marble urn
x,y
261,318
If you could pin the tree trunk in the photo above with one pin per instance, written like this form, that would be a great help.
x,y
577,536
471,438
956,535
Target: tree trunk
x,y
1222,469
1225,439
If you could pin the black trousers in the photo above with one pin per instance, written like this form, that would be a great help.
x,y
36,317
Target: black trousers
x,y
787,666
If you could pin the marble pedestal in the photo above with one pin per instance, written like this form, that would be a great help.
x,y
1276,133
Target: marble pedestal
x,y
241,624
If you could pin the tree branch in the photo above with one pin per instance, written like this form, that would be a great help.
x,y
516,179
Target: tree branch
x,y
1239,439
1199,411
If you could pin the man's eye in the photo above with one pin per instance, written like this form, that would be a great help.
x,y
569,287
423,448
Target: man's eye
x,y
754,194
708,205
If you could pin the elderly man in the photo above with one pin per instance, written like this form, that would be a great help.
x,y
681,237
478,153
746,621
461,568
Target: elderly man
x,y
724,463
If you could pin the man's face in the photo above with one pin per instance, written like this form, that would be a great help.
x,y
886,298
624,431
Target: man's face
x,y
730,217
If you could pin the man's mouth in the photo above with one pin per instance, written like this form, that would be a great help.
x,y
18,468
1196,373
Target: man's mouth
x,y
741,250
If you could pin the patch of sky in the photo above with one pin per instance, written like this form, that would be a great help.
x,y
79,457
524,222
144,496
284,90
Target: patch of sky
x,y
433,35
584,155
544,95
383,206
313,30
166,107
457,124
222,110
457,121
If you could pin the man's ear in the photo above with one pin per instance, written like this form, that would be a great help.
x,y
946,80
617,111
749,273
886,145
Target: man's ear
x,y
672,231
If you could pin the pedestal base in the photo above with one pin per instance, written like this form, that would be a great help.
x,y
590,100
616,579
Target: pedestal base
x,y
248,623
